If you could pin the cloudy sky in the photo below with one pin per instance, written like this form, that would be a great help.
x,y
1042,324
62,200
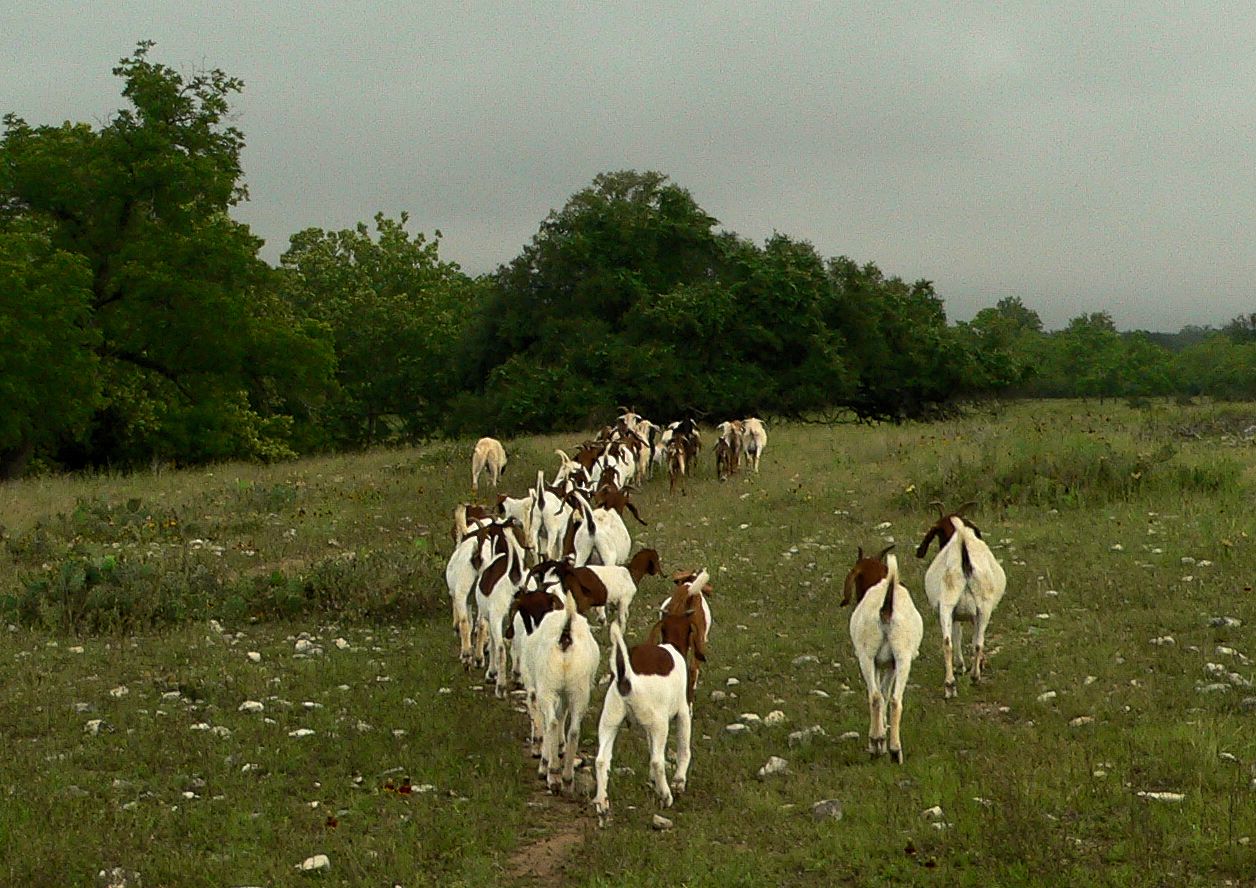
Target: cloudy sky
x,y
1082,156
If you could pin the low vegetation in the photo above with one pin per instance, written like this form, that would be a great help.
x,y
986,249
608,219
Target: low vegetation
x,y
138,612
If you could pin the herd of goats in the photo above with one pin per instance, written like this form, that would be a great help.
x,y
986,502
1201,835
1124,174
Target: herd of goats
x,y
573,532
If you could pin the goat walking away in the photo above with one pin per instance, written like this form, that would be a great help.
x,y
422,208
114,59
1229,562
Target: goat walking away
x,y
488,454
648,684
885,629
560,660
964,584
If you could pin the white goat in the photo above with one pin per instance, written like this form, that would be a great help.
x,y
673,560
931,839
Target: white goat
x,y
489,454
650,686
478,543
560,664
964,584
885,629
494,591
754,438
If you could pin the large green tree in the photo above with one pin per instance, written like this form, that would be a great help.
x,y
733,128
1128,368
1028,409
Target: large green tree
x,y
397,313
178,304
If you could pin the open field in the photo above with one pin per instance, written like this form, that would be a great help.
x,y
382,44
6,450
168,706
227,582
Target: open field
x,y
1123,532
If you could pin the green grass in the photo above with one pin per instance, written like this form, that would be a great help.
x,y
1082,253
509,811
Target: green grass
x,y
130,569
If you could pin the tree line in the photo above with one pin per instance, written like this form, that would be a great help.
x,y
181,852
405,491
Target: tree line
x,y
139,323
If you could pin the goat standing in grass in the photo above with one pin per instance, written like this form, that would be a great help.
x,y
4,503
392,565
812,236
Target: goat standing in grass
x,y
964,584
488,454
885,629
560,660
649,684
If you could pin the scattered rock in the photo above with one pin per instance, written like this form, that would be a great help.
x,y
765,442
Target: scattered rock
x,y
1213,688
850,735
80,708
319,863
717,696
254,656
76,792
750,718
798,738
215,626
816,692
199,726
1214,670
775,765
341,644
829,809
1248,703
1228,757
660,822
1238,681
119,692
251,706
117,877
1081,720
1162,796
307,648
1225,622
934,813
805,659
732,682
1163,640
300,732
1047,697
737,728
97,726
775,717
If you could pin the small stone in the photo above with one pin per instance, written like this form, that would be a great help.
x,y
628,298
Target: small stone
x,y
300,732
319,863
1047,697
850,735
1081,720
775,717
80,708
829,809
1163,640
1162,796
119,692
805,659
341,644
717,696
1248,703
660,822
775,765
76,792
1228,757
251,706
221,731
1214,670
117,877
1225,622
254,656
749,718
1215,687
96,726
1117,547
816,692
737,728
732,682
934,813
1090,679
199,726
215,626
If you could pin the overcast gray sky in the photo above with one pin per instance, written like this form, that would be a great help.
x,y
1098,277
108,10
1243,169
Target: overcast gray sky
x,y
1081,156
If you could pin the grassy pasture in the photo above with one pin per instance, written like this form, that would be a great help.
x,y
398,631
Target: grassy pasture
x,y
1115,526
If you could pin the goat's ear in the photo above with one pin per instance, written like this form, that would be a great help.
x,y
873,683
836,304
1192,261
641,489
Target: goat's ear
x,y
859,553
968,505
941,509
848,588
886,551
923,549
974,528
698,640
633,510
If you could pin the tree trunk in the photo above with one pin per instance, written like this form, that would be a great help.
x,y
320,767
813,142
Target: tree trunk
x,y
13,461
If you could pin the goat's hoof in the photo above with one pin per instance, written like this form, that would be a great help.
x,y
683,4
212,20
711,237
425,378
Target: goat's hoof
x,y
678,786
950,690
896,756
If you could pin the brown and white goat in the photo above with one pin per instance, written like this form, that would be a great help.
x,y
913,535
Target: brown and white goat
x,y
964,584
649,684
690,594
885,629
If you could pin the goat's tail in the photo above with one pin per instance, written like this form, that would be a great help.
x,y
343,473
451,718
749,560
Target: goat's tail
x,y
891,580
621,666
965,559
564,637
